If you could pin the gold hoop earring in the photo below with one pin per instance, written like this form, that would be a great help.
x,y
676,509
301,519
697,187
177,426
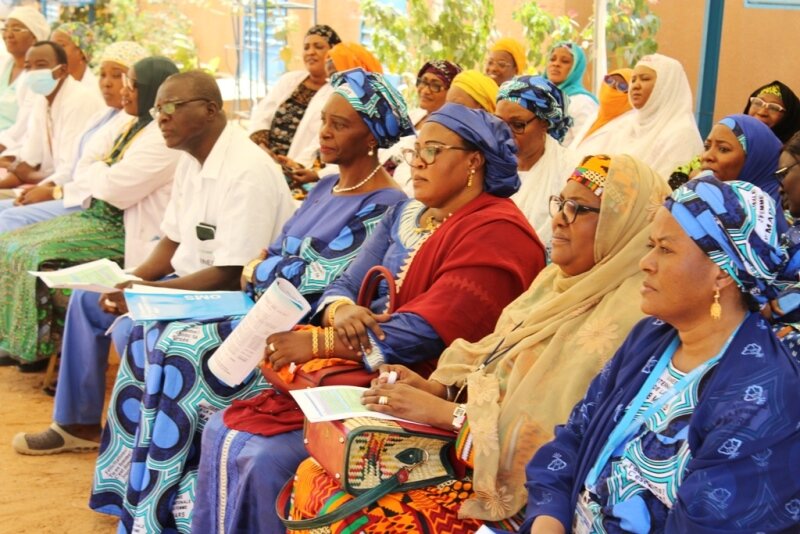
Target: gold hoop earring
x,y
469,179
716,307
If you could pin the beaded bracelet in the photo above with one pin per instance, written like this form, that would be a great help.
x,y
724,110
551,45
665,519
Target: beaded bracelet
x,y
315,342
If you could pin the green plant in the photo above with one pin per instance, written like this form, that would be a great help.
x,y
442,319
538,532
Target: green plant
x,y
631,28
458,32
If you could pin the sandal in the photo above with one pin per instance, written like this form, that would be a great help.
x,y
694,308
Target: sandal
x,y
52,441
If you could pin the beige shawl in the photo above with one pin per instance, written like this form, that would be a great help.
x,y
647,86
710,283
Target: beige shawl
x,y
570,326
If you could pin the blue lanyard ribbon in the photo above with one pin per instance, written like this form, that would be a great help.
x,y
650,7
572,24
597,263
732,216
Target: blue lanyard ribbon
x,y
630,423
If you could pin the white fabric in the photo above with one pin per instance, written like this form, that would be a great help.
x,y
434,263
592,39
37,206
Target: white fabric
x,y
54,131
306,138
547,177
240,191
663,134
33,19
601,140
13,137
582,109
139,183
77,191
91,82
402,173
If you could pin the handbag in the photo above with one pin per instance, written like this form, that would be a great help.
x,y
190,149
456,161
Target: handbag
x,y
370,458
340,374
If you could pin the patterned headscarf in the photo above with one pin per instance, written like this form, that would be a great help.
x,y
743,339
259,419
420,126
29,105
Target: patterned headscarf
x,y
346,56
493,138
513,47
443,69
762,151
542,98
735,224
573,83
479,86
592,173
790,119
126,53
380,105
326,32
81,36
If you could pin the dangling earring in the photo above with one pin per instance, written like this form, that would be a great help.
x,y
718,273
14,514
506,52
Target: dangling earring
x,y
371,151
469,179
716,307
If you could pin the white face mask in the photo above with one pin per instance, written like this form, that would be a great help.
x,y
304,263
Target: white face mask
x,y
41,81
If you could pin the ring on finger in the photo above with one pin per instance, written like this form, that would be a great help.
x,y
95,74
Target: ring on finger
x,y
271,347
383,400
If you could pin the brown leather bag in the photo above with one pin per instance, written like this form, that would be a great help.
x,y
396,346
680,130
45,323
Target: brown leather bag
x,y
340,374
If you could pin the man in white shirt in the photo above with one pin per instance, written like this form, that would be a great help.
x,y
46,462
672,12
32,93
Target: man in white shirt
x,y
229,200
58,118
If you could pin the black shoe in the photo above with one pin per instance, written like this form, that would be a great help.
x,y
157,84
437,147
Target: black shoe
x,y
8,361
34,367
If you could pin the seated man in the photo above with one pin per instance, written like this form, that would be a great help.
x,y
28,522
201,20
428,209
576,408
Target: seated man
x,y
61,110
229,200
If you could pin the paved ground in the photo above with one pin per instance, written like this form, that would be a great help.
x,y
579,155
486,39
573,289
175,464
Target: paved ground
x,y
41,494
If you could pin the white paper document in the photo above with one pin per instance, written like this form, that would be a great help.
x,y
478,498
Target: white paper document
x,y
332,403
100,276
278,310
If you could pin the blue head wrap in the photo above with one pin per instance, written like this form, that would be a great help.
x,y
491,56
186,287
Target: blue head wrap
x,y
735,224
762,149
573,83
542,98
380,105
493,138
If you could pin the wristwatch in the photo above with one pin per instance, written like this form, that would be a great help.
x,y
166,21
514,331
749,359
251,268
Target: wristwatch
x,y
250,269
58,193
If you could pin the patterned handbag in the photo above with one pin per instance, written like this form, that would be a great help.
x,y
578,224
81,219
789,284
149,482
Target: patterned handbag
x,y
370,458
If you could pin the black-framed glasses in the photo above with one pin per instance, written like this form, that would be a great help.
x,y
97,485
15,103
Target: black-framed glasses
x,y
428,153
519,126
432,85
170,107
772,107
780,174
569,209
615,83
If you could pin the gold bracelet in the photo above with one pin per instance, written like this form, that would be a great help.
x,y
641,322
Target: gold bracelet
x,y
330,341
331,311
315,343
249,270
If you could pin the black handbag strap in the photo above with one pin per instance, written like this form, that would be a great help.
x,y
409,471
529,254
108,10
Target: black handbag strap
x,y
350,507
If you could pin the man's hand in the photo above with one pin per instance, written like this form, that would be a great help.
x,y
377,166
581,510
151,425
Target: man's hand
x,y
34,195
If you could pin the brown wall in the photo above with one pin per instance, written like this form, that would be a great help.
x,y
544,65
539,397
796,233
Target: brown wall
x,y
757,44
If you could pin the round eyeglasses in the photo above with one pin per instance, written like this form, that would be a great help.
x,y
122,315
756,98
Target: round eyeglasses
x,y
427,154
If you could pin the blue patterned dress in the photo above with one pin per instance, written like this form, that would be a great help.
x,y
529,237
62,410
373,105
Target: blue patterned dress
x,y
164,393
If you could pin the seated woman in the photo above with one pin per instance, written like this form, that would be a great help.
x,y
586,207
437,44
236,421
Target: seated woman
x,y
460,253
534,110
315,246
662,131
692,426
77,40
595,137
506,59
776,105
739,147
129,189
286,122
565,68
474,90
552,339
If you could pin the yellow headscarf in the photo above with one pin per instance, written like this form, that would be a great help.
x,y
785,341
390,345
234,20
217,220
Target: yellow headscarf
x,y
513,47
346,56
569,327
613,103
479,86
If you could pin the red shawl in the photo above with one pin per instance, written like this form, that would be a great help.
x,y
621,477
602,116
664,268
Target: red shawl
x,y
472,267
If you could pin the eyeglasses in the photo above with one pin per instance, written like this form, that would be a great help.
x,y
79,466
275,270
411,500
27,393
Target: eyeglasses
x,y
14,29
616,83
170,107
780,174
432,85
772,107
502,65
568,208
518,126
427,154
128,83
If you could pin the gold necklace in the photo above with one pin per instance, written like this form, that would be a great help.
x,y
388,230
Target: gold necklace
x,y
337,189
431,224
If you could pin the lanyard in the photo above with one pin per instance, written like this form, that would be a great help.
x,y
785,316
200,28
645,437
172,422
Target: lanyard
x,y
631,423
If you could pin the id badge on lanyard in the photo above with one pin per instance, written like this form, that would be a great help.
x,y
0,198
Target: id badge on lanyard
x,y
583,519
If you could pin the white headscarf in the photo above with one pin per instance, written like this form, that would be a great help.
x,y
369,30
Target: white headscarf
x,y
33,20
663,133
